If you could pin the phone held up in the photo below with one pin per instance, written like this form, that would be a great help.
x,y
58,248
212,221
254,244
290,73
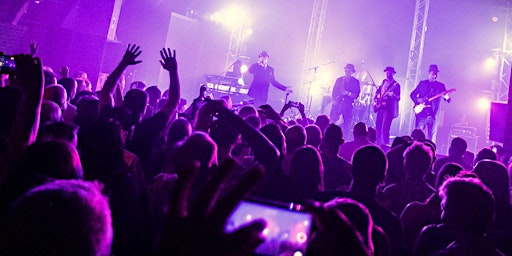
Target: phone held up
x,y
288,228
7,64
294,104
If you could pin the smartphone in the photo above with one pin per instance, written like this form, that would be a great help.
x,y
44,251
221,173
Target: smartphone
x,y
287,231
294,104
7,64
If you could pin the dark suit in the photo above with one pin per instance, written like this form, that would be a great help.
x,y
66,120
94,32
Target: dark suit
x,y
342,104
426,119
263,77
387,113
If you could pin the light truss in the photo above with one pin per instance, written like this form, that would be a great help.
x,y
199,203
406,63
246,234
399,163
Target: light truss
x,y
413,73
316,27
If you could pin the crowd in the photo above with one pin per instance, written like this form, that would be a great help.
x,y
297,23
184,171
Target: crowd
x,y
102,173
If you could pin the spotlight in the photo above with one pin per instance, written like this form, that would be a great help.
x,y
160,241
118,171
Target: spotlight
x,y
244,68
494,19
490,64
248,31
484,104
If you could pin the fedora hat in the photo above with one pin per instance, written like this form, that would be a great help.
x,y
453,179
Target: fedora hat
x,y
390,69
350,67
433,68
263,54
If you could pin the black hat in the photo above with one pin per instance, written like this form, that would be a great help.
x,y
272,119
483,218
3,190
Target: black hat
x,y
433,68
350,67
391,69
263,54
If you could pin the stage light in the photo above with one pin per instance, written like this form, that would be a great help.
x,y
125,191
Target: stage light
x,y
491,64
248,31
244,68
494,19
301,237
231,17
484,104
297,253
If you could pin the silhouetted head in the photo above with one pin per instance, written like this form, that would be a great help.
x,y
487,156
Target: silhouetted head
x,y
246,111
333,138
102,150
307,172
400,140
70,85
154,95
418,134
87,110
224,134
417,159
253,121
197,147
136,102
275,135
57,94
49,77
360,130
448,170
366,172
58,132
485,153
457,147
137,85
295,138
358,215
50,113
495,176
180,129
313,135
322,121
64,217
461,196
50,159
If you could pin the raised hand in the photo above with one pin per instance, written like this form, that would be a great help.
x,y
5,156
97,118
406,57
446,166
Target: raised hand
x,y
168,61
130,56
266,111
198,229
33,48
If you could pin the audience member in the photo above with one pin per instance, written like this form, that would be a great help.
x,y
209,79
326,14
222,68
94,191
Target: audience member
x,y
313,135
347,149
457,148
63,217
337,171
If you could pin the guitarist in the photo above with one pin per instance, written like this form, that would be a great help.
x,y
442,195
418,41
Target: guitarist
x,y
426,119
386,105
346,89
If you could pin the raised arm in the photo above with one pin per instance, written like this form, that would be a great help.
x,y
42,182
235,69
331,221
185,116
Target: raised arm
x,y
170,64
129,58
264,151
24,130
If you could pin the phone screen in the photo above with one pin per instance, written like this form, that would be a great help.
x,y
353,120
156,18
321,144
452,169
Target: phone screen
x,y
7,64
287,231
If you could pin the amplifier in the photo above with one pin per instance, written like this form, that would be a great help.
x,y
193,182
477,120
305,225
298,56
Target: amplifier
x,y
463,130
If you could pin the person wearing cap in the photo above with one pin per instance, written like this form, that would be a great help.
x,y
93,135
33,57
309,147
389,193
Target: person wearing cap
x,y
386,105
346,89
426,119
263,77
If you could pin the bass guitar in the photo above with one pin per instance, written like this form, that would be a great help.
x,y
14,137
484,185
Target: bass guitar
x,y
421,106
380,101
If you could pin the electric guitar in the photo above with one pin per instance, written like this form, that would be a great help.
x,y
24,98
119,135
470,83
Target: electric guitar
x,y
419,107
380,101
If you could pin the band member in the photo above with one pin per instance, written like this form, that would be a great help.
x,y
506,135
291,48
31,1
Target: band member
x,y
345,91
386,105
263,77
427,89
237,69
